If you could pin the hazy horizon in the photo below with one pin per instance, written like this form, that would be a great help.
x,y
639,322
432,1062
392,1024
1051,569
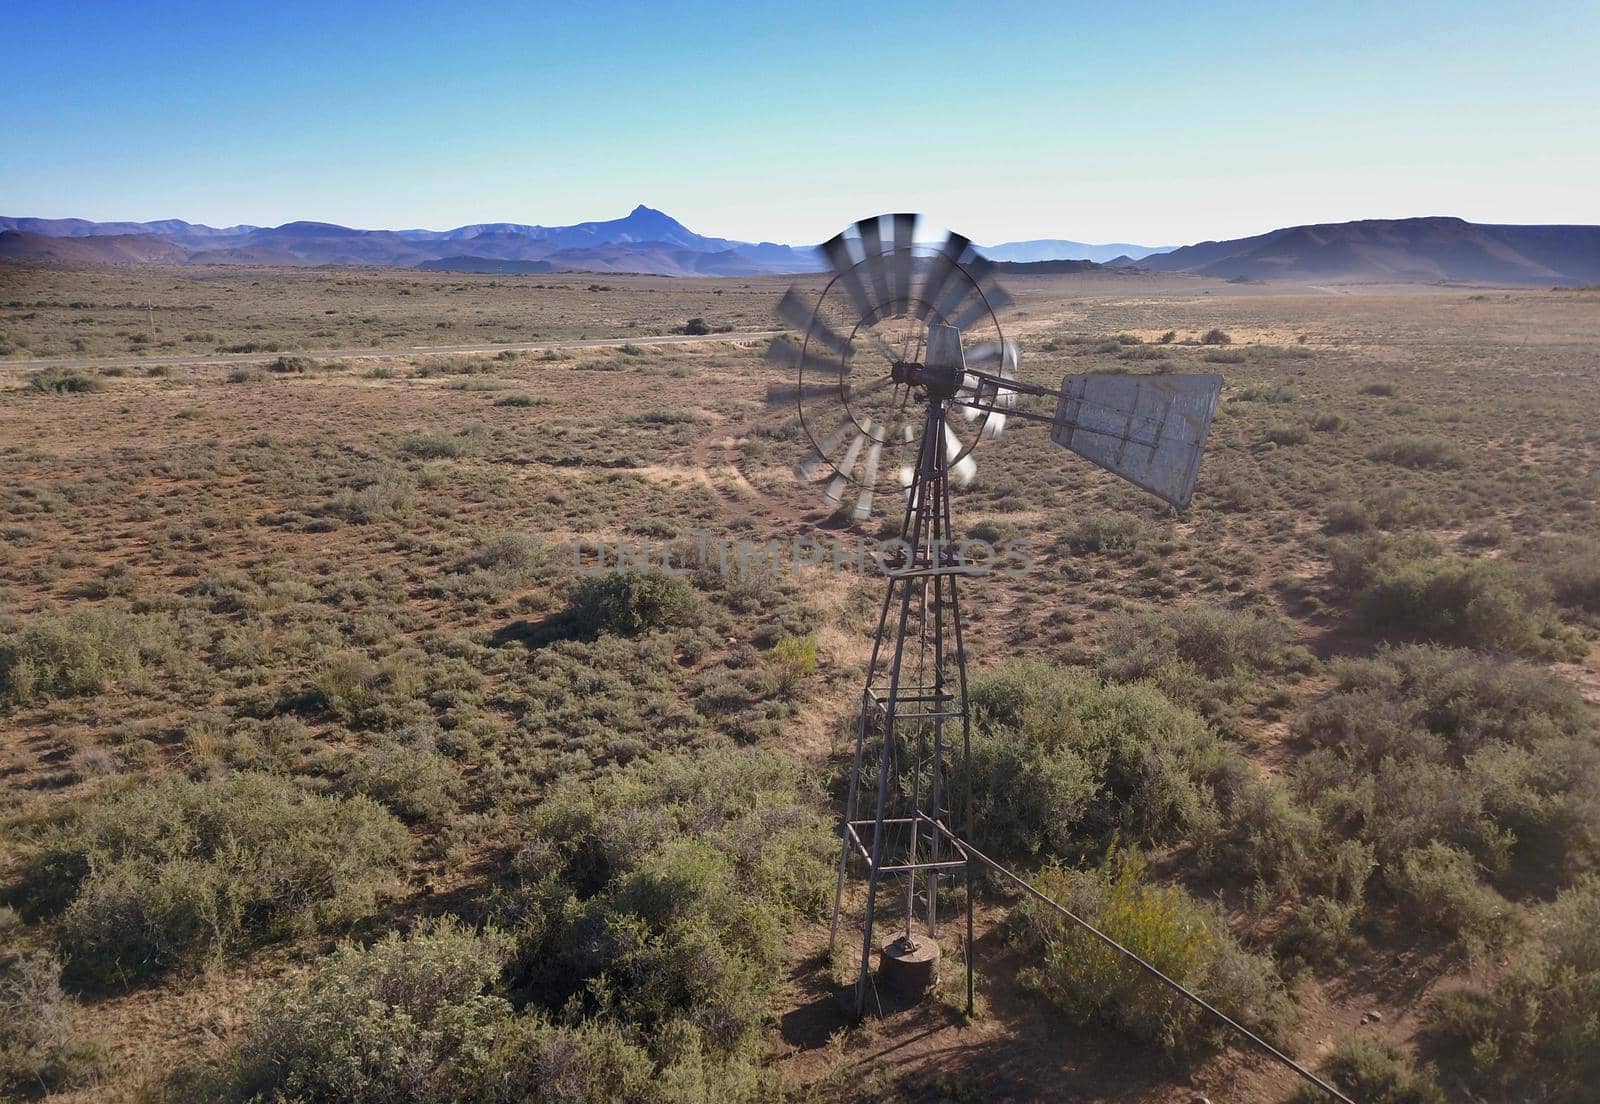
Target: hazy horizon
x,y
1156,126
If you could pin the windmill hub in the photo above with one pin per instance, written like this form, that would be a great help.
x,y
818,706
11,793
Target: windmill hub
x,y
940,382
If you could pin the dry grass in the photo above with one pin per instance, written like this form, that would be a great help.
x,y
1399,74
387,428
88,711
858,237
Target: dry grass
x,y
348,577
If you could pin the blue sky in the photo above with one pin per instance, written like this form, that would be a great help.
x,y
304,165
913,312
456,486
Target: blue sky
x,y
1156,123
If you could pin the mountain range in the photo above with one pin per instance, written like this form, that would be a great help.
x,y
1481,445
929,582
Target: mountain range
x,y
1412,250
1427,250
1060,249
646,240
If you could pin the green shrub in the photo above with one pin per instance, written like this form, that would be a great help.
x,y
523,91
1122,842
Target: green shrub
x,y
40,1049
1269,837
1215,337
629,602
1277,394
1397,507
407,776
1330,423
1061,761
1419,452
1218,643
1423,744
65,657
791,659
442,445
1532,1033
1574,576
1110,531
658,895
1385,390
1189,943
368,693
421,1019
377,496
1479,603
1346,516
406,1019
58,381
1287,435
1439,886
170,873
1375,1071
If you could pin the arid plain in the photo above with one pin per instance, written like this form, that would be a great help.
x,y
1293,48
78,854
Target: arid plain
x,y
306,709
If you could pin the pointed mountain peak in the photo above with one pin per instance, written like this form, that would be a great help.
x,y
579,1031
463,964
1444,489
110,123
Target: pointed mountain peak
x,y
649,216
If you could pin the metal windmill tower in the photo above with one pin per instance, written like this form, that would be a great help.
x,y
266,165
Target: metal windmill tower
x,y
904,351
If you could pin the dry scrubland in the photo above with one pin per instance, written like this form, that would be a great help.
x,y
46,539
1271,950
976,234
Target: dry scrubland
x,y
327,776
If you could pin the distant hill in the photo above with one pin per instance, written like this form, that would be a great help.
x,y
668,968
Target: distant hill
x,y
645,240
655,258
19,245
1399,250
1060,249
1048,268
173,230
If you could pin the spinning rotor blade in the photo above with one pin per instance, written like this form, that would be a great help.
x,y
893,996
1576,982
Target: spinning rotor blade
x,y
836,251
983,295
964,469
869,479
984,399
785,353
961,286
1149,430
876,264
989,355
846,465
940,270
905,227
798,313
806,470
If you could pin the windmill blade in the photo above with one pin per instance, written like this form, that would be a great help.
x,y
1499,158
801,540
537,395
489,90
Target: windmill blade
x,y
991,355
940,270
836,486
836,251
794,309
983,294
807,469
876,263
905,228
961,470
786,353
1149,430
869,479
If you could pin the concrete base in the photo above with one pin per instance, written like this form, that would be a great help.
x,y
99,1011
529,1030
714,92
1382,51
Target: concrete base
x,y
909,965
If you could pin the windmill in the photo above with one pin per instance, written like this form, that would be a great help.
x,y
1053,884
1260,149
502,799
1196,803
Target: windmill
x,y
902,372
